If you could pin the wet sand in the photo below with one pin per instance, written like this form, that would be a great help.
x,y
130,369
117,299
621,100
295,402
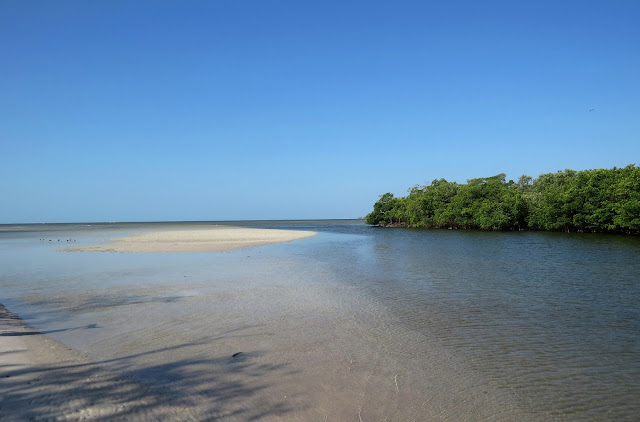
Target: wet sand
x,y
42,379
202,240
304,356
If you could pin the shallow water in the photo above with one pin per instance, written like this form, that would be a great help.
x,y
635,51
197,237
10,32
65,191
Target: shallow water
x,y
356,323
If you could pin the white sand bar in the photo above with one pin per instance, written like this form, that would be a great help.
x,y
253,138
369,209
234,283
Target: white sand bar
x,y
200,240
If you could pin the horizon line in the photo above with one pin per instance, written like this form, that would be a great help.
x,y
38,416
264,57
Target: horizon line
x,y
182,221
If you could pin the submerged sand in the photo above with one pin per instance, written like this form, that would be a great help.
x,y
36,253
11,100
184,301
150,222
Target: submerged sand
x,y
200,240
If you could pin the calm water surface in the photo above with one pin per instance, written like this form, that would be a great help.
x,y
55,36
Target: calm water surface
x,y
546,325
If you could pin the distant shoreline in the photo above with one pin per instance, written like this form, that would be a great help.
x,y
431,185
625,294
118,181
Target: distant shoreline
x,y
512,230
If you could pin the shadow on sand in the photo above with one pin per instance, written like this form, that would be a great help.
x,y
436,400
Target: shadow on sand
x,y
229,388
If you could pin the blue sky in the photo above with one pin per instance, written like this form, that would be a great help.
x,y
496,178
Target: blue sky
x,y
228,110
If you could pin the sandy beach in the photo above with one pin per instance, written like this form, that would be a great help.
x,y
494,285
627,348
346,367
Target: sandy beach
x,y
200,240
42,379
270,334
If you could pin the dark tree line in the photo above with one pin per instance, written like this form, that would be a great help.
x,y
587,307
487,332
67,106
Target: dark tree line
x,y
600,200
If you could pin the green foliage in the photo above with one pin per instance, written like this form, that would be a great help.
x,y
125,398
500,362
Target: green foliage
x,y
384,210
588,200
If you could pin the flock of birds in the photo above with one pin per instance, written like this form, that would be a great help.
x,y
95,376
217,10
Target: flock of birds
x,y
51,240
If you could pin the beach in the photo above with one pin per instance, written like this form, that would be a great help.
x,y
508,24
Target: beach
x,y
351,324
268,355
43,379
250,334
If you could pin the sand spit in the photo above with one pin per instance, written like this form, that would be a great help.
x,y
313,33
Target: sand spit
x,y
42,379
201,240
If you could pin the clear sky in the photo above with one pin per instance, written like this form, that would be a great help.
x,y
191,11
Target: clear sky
x,y
270,109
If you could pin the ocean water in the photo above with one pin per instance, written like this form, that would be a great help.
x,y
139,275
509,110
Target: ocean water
x,y
356,323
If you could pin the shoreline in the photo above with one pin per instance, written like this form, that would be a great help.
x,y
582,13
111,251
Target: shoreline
x,y
214,239
44,379
353,322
